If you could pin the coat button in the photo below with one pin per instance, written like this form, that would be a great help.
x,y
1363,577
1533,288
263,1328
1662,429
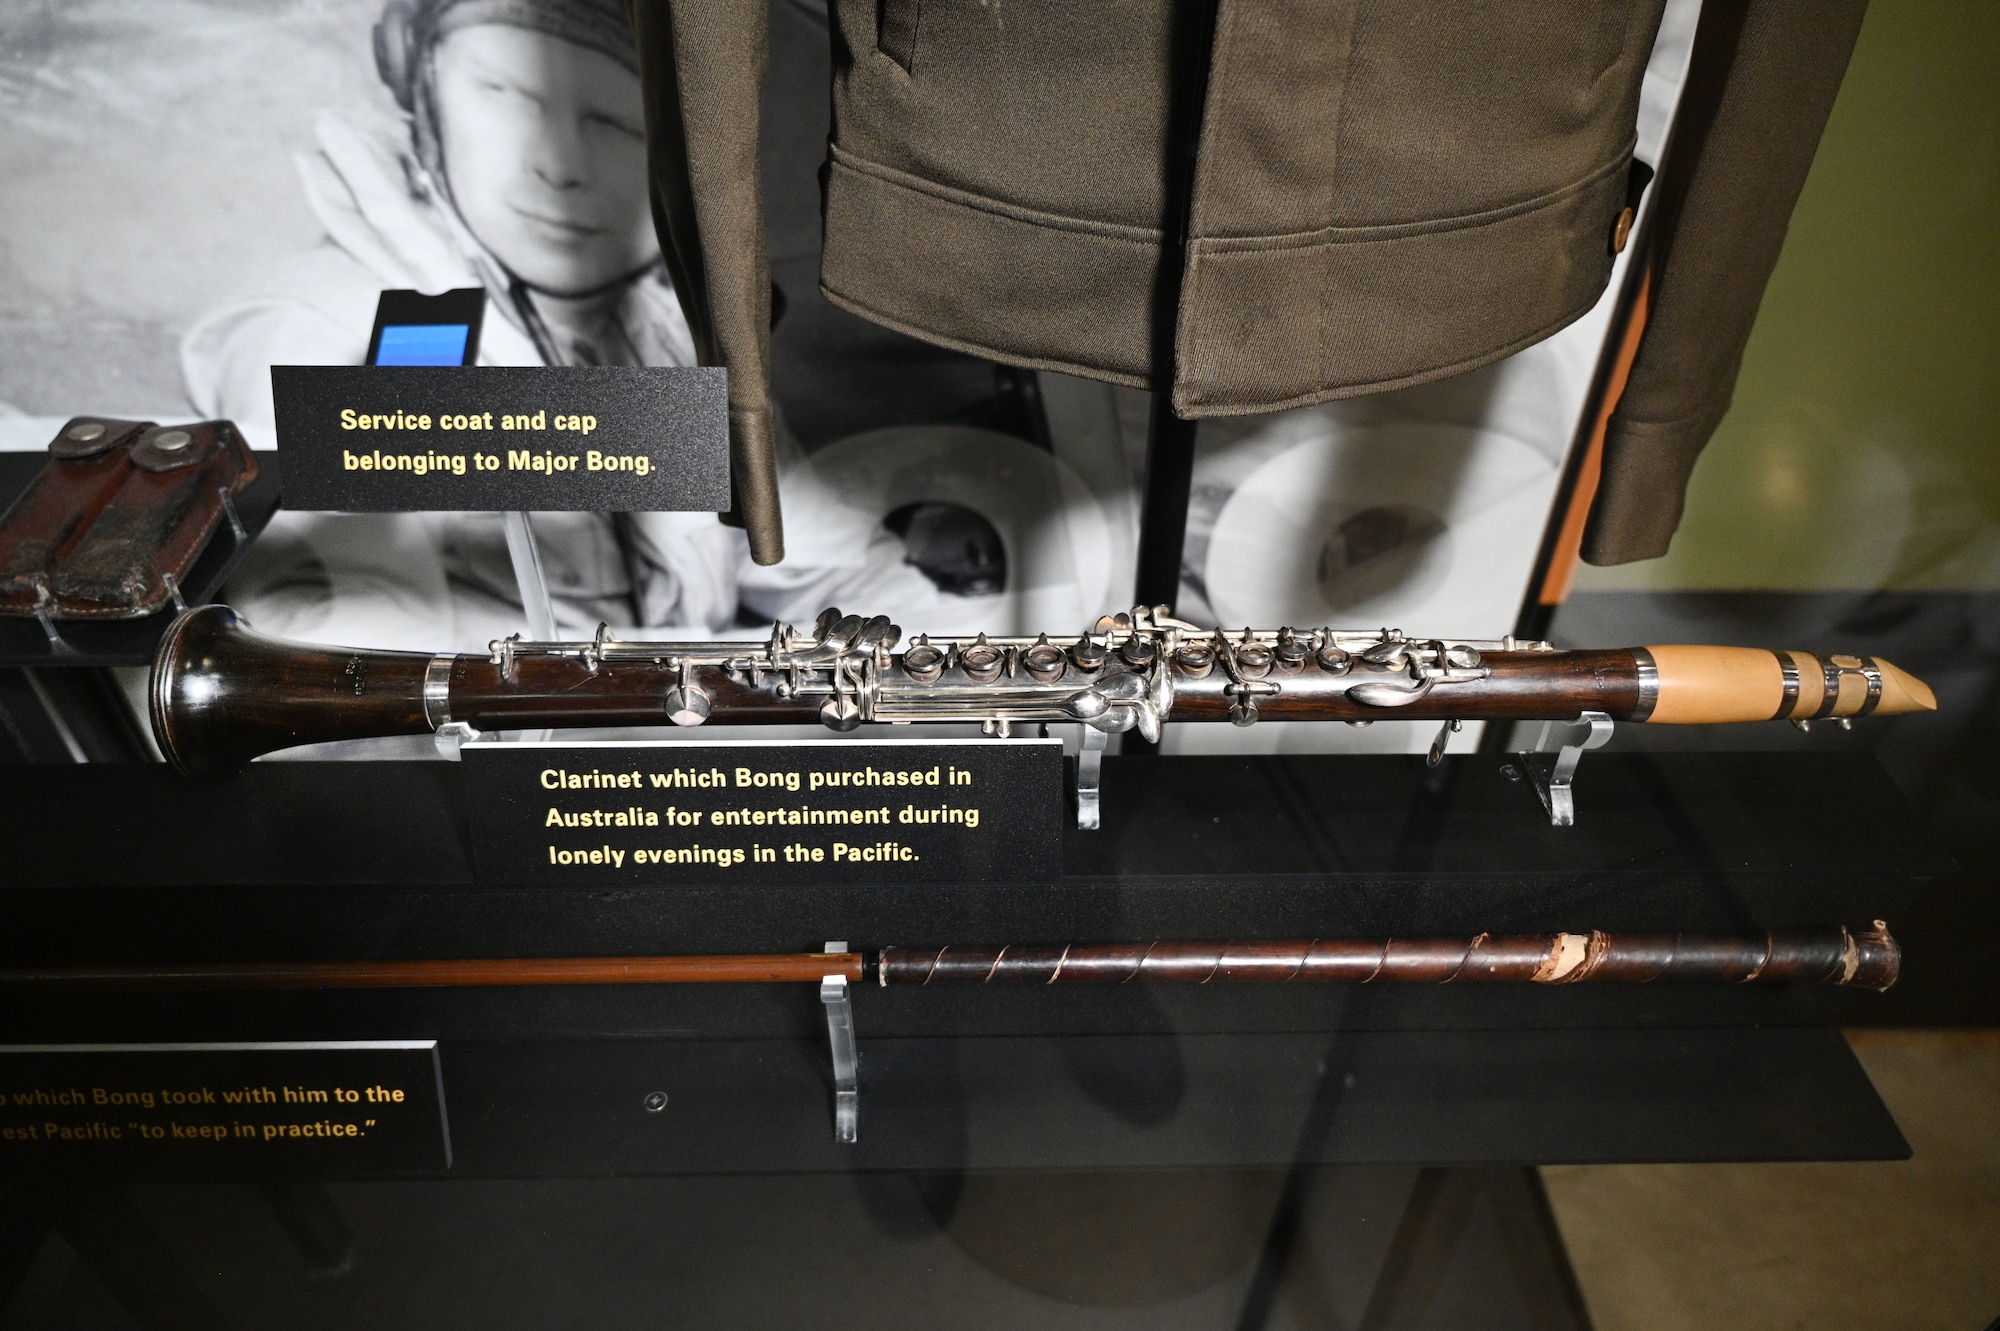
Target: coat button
x,y
1621,230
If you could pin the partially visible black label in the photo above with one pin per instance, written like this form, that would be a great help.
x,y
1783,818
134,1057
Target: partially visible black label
x,y
222,1110
823,811
382,439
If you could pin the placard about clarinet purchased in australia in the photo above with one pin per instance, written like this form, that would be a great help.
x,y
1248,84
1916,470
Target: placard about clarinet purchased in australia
x,y
818,811
332,1108
389,439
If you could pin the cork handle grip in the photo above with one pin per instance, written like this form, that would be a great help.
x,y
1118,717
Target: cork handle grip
x,y
1711,685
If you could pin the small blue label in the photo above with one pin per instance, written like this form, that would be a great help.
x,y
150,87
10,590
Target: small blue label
x,y
422,344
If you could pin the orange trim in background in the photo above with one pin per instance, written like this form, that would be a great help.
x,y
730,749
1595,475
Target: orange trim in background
x,y
1569,541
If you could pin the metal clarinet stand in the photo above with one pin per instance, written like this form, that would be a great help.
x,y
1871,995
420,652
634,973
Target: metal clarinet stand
x,y
1551,764
541,615
833,992
527,557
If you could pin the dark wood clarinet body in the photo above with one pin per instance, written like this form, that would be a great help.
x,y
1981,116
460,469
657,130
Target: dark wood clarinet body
x,y
223,694
1523,686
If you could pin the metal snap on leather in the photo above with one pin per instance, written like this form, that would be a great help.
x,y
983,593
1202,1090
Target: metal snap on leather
x,y
172,441
85,432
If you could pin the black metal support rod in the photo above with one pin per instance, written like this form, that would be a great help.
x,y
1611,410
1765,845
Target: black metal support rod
x,y
1163,510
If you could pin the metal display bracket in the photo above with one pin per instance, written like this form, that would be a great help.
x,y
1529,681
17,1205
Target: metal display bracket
x,y
58,646
527,557
1089,776
534,587
834,993
1552,763
452,736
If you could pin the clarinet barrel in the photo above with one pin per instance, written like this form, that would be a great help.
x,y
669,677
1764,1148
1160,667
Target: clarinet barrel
x,y
222,694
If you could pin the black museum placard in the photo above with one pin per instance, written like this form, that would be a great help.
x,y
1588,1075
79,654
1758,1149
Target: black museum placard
x,y
320,1108
742,811
573,439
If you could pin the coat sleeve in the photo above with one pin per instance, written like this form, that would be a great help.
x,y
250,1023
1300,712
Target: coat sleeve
x,y
1760,87
703,63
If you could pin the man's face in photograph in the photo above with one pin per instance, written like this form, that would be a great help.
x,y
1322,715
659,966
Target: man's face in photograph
x,y
544,145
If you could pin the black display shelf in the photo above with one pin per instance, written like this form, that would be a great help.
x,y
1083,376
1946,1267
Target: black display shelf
x,y
1736,838
330,861
1185,1102
333,861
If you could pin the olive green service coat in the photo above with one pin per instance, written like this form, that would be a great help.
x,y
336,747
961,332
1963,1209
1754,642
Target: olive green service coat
x,y
1251,204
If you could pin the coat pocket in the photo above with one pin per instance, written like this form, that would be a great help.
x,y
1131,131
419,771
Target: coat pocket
x,y
896,30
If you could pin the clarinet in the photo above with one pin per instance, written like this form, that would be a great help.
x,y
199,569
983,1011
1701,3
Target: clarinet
x,y
221,694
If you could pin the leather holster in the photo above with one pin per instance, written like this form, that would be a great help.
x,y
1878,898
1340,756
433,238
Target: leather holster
x,y
117,517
